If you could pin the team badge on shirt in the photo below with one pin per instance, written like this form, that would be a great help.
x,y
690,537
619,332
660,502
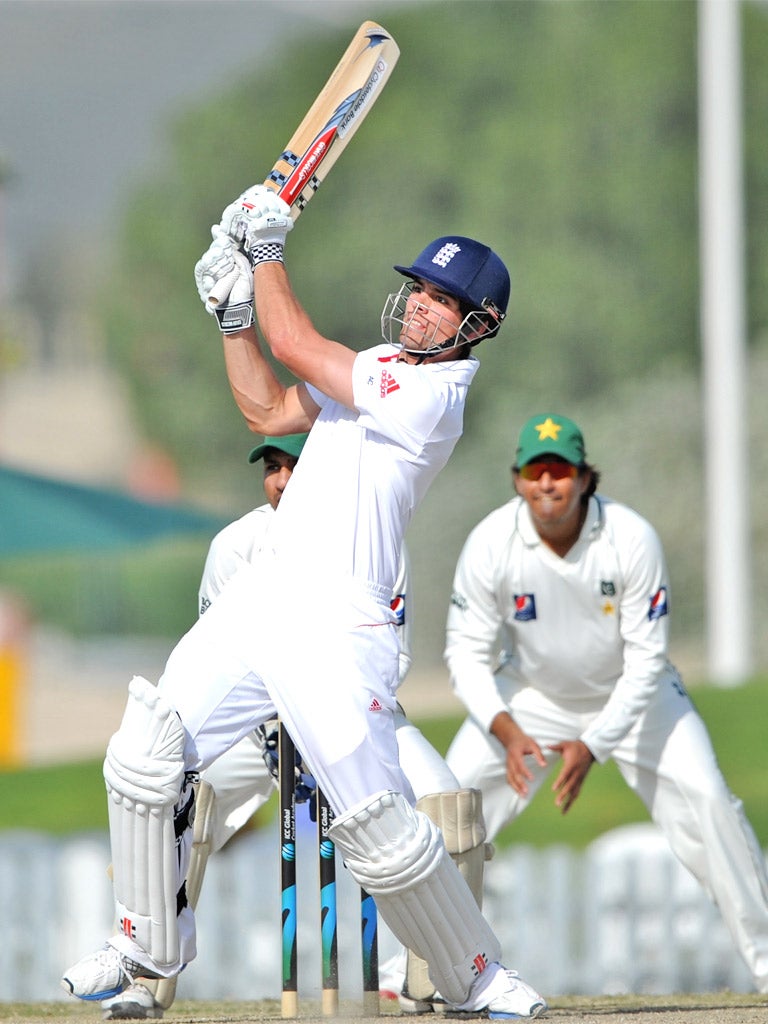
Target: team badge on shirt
x,y
525,607
658,605
397,604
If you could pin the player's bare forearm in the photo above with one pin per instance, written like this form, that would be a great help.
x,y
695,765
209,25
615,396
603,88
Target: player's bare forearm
x,y
293,339
518,745
268,406
577,760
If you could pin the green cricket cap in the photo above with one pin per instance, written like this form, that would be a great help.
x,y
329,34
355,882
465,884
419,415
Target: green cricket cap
x,y
550,434
291,444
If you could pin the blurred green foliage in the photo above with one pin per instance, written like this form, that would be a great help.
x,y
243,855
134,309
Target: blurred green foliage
x,y
565,136
150,590
63,799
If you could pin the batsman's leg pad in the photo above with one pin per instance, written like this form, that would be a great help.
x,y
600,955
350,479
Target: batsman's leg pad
x,y
459,816
144,772
164,989
398,855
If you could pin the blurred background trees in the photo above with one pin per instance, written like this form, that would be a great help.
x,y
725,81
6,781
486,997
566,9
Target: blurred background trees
x,y
564,136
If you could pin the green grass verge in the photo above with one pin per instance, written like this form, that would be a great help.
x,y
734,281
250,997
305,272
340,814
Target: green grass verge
x,y
70,798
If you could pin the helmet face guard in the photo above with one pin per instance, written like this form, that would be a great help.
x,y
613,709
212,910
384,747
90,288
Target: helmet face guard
x,y
398,316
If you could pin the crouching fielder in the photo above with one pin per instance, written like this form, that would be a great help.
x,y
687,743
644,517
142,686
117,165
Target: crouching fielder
x,y
574,586
389,417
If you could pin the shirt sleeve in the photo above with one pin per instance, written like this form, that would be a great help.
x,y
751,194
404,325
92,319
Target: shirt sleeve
x,y
474,621
644,631
229,550
398,400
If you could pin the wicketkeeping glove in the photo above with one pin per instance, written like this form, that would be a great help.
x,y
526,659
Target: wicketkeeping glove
x,y
258,221
305,787
225,283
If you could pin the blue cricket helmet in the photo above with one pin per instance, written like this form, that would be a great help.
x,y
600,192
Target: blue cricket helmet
x,y
465,268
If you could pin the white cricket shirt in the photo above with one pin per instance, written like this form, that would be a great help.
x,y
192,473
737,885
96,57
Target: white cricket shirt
x,y
588,630
363,472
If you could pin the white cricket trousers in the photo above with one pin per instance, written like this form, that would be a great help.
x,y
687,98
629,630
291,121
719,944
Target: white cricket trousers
x,y
668,760
325,662
243,783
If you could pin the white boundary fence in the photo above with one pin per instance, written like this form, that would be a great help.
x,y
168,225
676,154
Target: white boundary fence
x,y
623,916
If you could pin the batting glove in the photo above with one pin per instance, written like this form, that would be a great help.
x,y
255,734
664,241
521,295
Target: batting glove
x,y
225,283
259,221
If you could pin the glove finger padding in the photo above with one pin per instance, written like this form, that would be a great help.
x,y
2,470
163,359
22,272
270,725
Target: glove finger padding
x,y
216,269
258,216
305,786
225,283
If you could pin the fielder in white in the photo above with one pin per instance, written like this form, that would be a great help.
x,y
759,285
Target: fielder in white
x,y
237,784
308,633
574,588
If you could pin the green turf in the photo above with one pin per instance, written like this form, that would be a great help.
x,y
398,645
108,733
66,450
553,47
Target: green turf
x,y
70,798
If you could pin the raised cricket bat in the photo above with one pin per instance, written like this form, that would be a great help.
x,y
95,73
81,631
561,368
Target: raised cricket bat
x,y
339,110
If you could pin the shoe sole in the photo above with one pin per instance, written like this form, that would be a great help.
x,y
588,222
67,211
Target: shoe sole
x,y
132,1011
485,1014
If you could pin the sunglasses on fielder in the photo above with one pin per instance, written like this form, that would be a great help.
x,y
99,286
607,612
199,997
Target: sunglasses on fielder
x,y
556,470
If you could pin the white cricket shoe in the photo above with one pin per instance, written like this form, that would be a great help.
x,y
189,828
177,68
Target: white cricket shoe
x,y
102,974
507,998
135,1003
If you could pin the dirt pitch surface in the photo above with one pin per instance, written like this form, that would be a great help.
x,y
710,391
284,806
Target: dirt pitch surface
x,y
708,1008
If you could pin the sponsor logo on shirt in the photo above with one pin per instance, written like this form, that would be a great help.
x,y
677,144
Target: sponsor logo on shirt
x,y
459,601
658,605
607,588
525,607
375,705
387,384
397,604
